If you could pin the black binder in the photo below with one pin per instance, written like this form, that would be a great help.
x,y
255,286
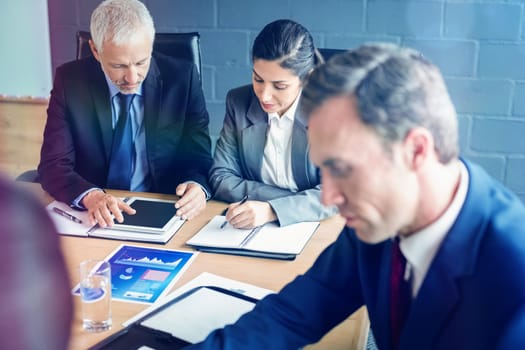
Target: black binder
x,y
139,333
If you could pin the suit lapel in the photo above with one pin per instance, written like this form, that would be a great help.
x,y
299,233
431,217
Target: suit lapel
x,y
254,139
152,101
152,90
300,153
382,329
439,294
431,309
100,94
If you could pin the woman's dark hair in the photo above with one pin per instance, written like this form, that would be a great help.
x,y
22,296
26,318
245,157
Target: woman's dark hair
x,y
290,44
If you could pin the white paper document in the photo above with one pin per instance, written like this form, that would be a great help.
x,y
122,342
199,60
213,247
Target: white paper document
x,y
66,226
144,274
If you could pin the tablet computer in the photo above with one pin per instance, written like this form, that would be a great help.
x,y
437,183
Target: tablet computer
x,y
185,320
198,312
152,215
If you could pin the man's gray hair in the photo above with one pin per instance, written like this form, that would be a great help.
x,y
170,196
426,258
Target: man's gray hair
x,y
395,89
117,21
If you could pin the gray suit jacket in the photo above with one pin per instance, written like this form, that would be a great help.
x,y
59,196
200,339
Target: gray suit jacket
x,y
237,163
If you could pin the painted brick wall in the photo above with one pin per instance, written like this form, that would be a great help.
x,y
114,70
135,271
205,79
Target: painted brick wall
x,y
478,45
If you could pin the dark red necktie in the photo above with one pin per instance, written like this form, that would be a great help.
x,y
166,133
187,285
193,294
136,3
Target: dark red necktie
x,y
400,293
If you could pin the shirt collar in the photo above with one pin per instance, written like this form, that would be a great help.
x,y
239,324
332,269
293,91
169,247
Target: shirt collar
x,y
113,89
289,114
421,247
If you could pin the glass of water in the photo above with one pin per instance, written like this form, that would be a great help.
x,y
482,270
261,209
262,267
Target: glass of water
x,y
95,291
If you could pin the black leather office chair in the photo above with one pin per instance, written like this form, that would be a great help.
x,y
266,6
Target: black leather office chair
x,y
185,46
327,53
28,176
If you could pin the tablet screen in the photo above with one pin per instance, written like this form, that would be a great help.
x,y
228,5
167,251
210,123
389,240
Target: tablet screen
x,y
153,215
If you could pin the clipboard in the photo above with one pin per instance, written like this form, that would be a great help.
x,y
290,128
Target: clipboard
x,y
185,320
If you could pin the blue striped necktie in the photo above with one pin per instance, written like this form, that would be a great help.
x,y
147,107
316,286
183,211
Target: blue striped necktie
x,y
121,159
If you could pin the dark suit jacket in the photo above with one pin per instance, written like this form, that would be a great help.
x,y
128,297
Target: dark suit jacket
x,y
473,296
35,303
237,162
78,132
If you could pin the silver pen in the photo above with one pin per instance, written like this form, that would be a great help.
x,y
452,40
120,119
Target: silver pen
x,y
67,215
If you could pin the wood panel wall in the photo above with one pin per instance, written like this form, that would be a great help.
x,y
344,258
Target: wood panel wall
x,y
22,122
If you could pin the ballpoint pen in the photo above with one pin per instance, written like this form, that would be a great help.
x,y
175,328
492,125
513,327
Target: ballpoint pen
x,y
67,215
243,200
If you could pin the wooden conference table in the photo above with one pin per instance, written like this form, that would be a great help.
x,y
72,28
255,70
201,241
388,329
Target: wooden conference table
x,y
266,273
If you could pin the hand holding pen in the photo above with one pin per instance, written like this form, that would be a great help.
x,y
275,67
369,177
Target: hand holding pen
x,y
243,200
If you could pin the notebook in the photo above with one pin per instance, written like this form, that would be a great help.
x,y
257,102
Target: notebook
x,y
267,241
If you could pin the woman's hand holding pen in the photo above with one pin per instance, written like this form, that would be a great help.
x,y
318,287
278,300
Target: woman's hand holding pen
x,y
103,207
249,214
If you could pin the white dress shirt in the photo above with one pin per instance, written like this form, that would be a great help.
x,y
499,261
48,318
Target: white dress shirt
x,y
277,160
421,247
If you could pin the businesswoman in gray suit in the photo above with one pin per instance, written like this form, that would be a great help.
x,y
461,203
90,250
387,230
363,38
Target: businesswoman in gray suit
x,y
262,151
